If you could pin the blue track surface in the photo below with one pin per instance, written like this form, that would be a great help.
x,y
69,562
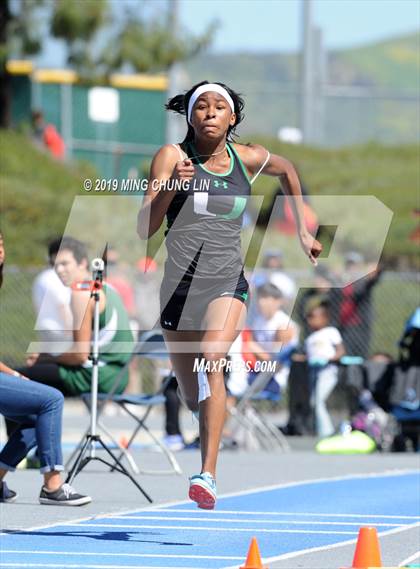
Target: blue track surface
x,y
285,519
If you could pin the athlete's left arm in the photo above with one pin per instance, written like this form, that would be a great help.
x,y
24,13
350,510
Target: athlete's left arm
x,y
277,166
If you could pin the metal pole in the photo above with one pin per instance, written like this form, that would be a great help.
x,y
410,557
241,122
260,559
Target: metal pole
x,y
94,387
319,72
97,268
174,123
67,117
306,72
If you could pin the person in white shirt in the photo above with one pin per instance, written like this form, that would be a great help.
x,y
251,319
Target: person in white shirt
x,y
272,271
324,348
271,335
51,301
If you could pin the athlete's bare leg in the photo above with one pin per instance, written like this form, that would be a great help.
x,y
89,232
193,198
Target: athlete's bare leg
x,y
183,362
225,317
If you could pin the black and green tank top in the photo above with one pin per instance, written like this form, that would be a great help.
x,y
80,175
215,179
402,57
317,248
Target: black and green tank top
x,y
203,235
116,344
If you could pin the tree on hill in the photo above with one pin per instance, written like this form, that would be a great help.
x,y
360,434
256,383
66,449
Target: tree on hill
x,y
20,35
101,38
135,40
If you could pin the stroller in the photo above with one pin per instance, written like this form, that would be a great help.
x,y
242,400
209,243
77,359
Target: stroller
x,y
370,427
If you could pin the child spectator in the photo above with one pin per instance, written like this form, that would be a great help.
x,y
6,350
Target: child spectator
x,y
324,348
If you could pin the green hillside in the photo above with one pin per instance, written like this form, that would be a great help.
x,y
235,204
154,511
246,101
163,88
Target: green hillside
x,y
36,195
270,83
37,192
392,64
391,174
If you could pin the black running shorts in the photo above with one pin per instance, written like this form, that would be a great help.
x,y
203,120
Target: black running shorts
x,y
188,303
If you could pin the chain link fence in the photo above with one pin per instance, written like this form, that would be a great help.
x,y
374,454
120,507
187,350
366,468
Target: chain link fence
x,y
343,115
393,298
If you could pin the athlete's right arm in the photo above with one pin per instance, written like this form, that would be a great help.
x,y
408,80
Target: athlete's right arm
x,y
165,165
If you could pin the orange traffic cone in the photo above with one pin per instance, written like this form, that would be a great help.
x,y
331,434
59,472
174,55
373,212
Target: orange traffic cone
x,y
367,552
253,560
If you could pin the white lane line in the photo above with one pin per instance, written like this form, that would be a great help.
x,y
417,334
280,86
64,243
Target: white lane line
x,y
236,521
410,559
255,490
201,528
366,475
84,566
302,552
294,514
109,554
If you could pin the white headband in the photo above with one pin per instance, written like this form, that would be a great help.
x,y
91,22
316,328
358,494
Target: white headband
x,y
203,89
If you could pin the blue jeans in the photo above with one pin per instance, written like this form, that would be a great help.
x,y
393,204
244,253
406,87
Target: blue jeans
x,y
38,410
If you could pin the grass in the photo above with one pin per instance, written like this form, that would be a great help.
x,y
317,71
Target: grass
x,y
392,175
16,316
37,193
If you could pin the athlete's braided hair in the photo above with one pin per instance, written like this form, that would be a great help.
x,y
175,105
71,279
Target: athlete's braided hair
x,y
179,104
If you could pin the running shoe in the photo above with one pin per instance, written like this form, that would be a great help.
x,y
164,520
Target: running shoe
x,y
174,442
66,495
193,445
203,490
7,495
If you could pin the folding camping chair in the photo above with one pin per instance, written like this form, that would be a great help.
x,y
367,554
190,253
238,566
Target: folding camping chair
x,y
260,431
150,346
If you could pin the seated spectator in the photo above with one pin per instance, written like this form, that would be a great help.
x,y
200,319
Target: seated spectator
x,y
272,270
70,372
274,334
323,348
271,335
37,412
54,319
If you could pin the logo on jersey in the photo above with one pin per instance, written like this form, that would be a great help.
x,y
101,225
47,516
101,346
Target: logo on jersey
x,y
218,184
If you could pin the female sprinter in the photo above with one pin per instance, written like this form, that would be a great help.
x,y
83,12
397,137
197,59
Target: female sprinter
x,y
201,186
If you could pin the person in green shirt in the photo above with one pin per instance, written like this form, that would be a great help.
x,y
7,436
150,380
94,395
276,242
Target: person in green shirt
x,y
70,372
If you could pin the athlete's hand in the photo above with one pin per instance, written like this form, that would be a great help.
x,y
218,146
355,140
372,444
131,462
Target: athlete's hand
x,y
184,170
311,247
